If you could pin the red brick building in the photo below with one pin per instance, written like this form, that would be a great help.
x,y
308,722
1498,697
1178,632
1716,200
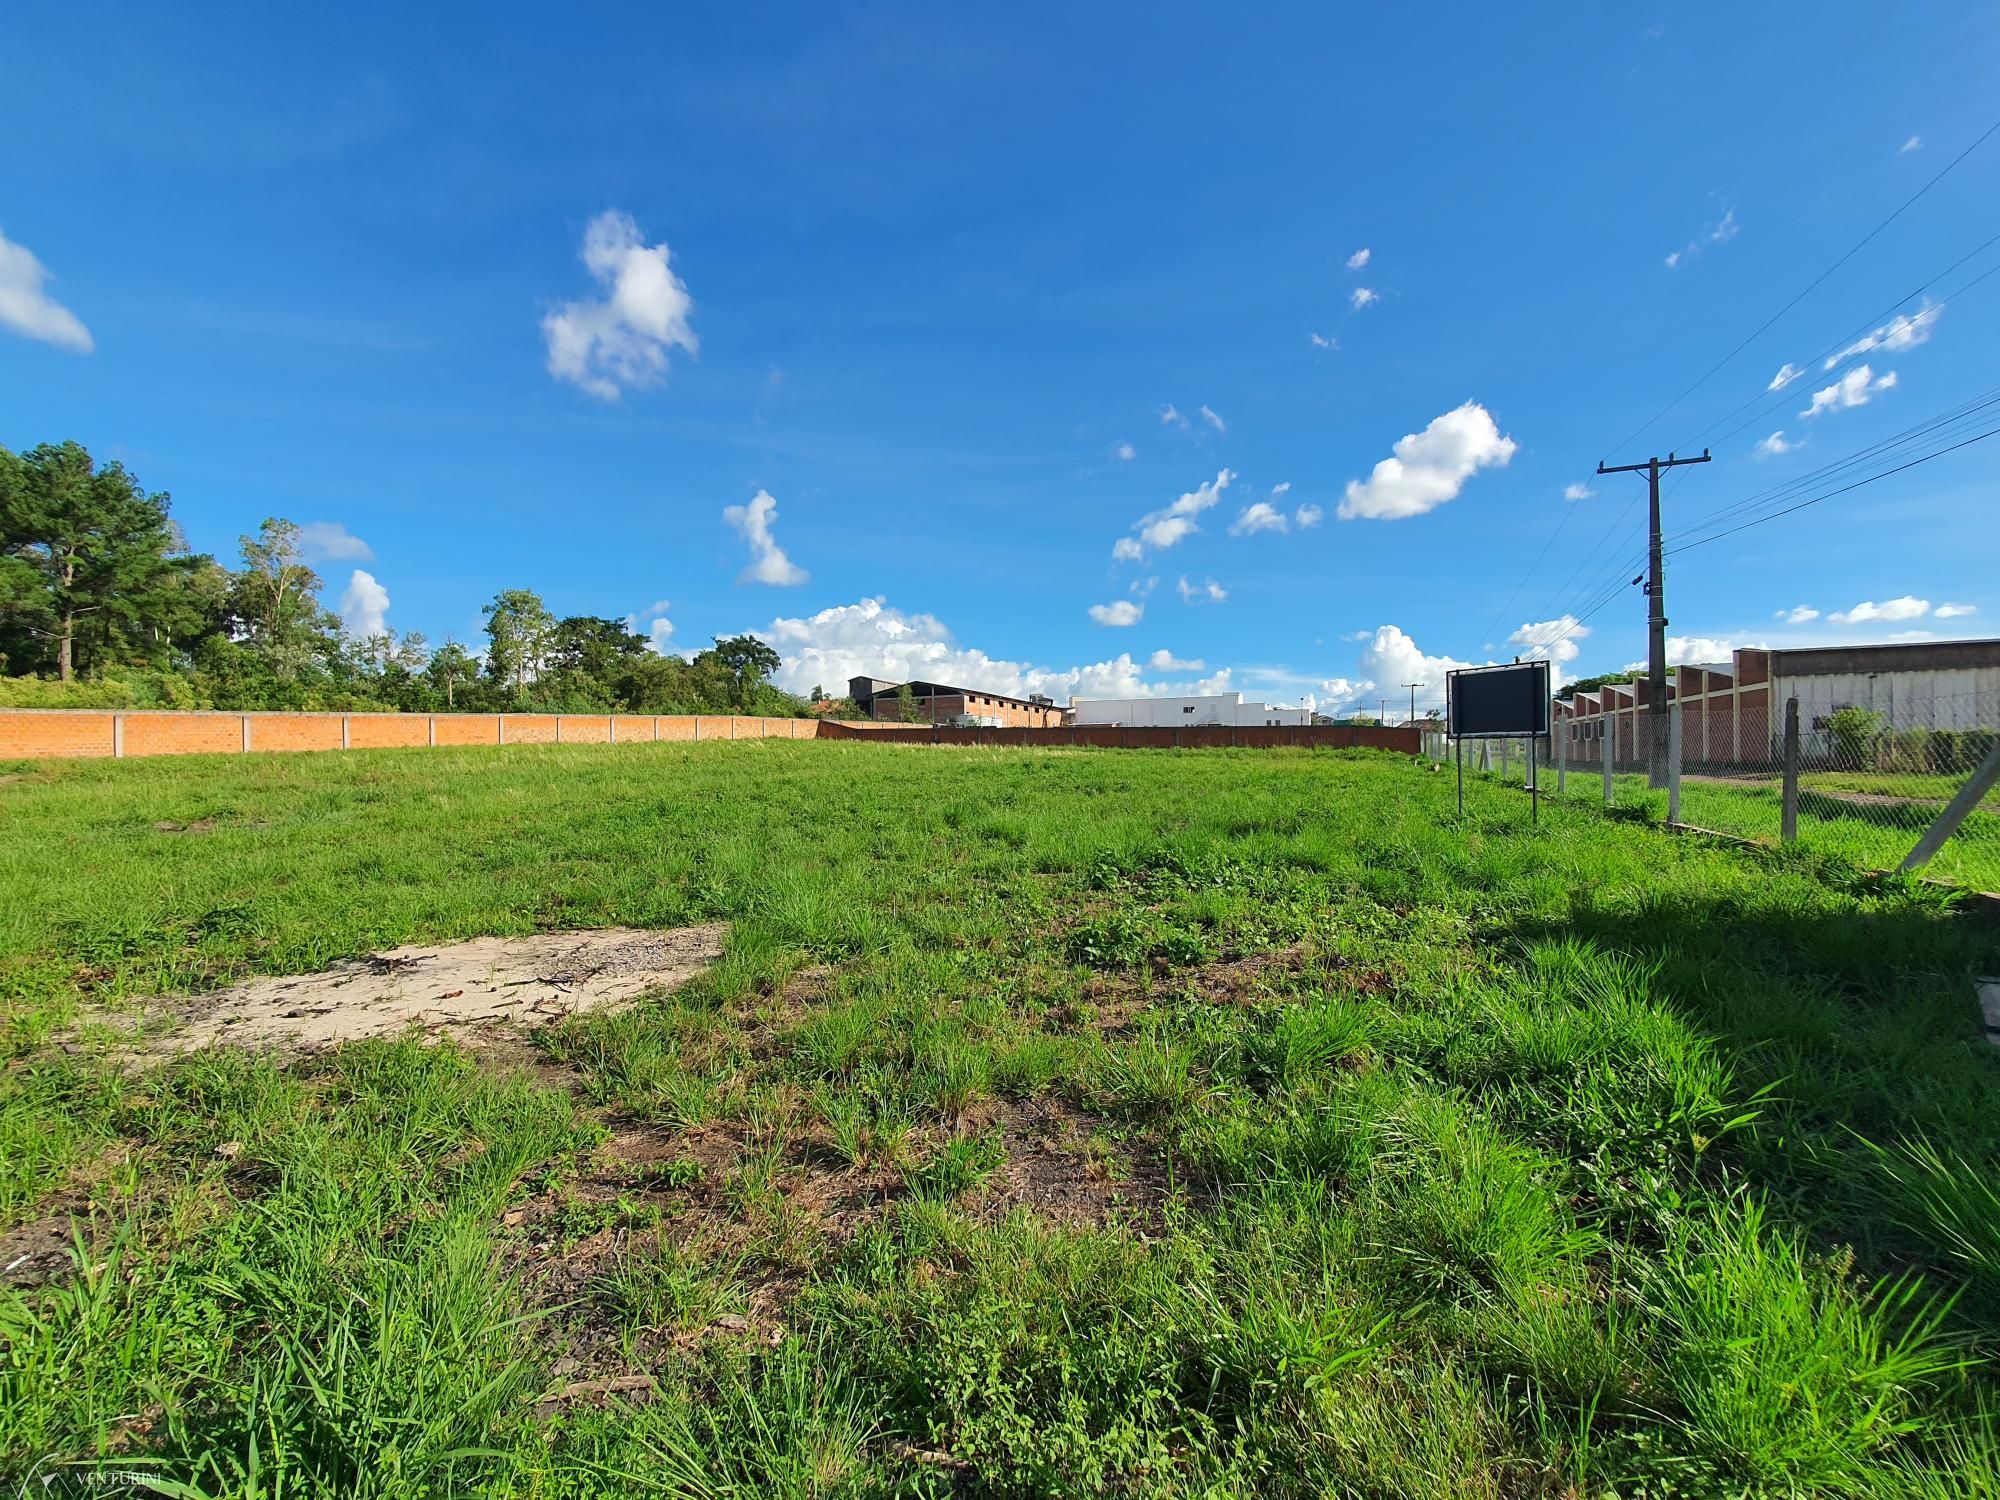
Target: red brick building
x,y
941,703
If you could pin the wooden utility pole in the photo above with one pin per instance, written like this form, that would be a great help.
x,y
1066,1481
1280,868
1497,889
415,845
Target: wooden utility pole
x,y
1413,686
1656,614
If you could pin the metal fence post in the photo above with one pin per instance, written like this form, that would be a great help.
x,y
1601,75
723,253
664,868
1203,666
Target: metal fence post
x,y
1606,737
1673,764
1788,820
1562,758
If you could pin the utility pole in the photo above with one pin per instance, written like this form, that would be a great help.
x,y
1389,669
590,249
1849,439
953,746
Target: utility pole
x,y
1383,705
1413,686
1656,614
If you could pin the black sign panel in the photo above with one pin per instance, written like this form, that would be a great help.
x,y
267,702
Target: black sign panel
x,y
1509,700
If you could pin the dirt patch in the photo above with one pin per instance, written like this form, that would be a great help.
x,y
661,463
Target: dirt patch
x,y
1260,977
1060,1168
654,1191
33,1254
453,989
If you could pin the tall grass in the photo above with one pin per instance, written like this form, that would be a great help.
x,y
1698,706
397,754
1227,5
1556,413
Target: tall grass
x,y
1454,1155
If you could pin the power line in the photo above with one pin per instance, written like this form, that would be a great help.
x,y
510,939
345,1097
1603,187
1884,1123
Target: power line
x,y
1838,344
1948,424
1929,427
1872,478
1811,286
1757,418
1563,521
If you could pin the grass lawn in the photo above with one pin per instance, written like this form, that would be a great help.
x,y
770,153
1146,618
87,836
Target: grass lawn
x,y
1869,820
1055,1123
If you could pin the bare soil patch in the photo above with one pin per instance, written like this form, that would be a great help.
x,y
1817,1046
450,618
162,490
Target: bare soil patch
x,y
1057,1166
449,989
32,1254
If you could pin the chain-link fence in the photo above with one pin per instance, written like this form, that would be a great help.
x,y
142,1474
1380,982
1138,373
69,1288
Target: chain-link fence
x,y
1855,782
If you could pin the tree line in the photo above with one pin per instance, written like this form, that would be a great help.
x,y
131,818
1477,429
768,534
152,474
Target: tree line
x,y
103,604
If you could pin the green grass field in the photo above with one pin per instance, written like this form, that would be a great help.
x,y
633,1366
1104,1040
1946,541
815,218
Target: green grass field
x,y
1056,1123
1867,819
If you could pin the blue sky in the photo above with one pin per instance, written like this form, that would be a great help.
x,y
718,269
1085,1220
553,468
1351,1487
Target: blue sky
x,y
925,279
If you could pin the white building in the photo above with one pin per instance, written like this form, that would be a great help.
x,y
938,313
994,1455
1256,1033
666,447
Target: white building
x,y
1172,713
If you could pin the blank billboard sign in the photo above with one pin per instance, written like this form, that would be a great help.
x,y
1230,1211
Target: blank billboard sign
x,y
1509,700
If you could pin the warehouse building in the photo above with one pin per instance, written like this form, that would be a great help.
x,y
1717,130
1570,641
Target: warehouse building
x,y
941,703
1732,713
1184,713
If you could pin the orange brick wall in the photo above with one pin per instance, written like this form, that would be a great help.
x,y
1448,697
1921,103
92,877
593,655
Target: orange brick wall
x,y
468,729
586,729
183,734
294,732
26,736
531,729
1328,736
62,733
387,731
633,729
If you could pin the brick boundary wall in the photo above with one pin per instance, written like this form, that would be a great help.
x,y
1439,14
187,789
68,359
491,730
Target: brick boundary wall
x,y
71,733
1408,740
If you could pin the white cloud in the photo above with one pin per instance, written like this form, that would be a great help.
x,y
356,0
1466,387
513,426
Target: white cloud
x,y
1775,445
329,541
768,563
658,633
27,309
1308,516
1798,614
1213,420
1361,296
619,341
1391,658
1164,660
1282,487
1260,516
1697,650
1206,592
1556,640
365,606
1909,607
1914,143
1359,259
1160,529
1321,341
1856,388
869,638
1126,453
1787,373
658,607
1140,588
1721,231
1577,492
1953,611
1901,332
1344,692
1118,612
1170,416
1429,467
